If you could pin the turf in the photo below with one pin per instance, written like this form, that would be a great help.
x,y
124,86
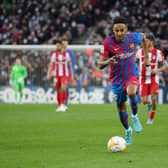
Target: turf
x,y
35,136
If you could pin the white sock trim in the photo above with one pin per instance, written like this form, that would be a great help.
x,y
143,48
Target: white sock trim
x,y
129,128
134,116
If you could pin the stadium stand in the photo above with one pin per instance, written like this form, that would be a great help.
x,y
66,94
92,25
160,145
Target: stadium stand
x,y
42,22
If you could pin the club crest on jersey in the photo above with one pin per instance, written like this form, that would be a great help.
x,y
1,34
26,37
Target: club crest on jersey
x,y
132,45
153,57
60,57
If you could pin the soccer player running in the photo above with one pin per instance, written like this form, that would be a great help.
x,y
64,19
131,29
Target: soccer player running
x,y
149,76
18,75
119,53
60,60
72,56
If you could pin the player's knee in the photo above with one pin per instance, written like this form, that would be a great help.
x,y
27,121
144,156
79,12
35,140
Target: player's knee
x,y
153,98
131,95
58,89
63,88
145,101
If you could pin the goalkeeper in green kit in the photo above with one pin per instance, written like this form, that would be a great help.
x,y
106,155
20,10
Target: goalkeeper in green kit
x,y
18,75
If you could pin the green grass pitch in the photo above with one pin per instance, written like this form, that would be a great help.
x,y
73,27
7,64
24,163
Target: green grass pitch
x,y
35,136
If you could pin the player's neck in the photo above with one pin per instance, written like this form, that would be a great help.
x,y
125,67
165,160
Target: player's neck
x,y
60,52
119,41
151,49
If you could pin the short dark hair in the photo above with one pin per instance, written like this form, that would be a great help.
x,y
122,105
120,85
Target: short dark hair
x,y
120,19
150,36
56,41
64,38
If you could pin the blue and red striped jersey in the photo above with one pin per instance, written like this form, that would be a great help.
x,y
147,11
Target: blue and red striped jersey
x,y
125,56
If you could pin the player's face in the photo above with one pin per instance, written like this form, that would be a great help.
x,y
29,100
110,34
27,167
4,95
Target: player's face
x,y
59,47
150,43
18,62
120,31
65,43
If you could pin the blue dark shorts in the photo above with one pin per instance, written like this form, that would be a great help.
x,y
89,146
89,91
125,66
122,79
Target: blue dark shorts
x,y
119,94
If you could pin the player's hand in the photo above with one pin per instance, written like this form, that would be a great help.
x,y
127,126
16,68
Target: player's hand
x,y
112,60
20,80
73,82
48,77
147,63
154,71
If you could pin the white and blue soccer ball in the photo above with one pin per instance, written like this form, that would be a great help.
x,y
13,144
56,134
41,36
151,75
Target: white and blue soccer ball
x,y
116,144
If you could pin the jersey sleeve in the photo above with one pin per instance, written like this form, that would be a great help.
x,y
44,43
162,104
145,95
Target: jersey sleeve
x,y
105,54
73,61
68,57
160,56
24,72
52,57
138,54
137,38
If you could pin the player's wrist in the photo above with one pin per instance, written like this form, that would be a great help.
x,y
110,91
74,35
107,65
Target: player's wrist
x,y
158,70
107,62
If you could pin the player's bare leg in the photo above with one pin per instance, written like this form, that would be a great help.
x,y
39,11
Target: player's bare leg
x,y
146,101
63,93
131,92
154,102
153,109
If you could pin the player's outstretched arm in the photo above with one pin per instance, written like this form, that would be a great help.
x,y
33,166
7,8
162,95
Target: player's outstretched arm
x,y
145,47
49,71
72,73
161,68
162,65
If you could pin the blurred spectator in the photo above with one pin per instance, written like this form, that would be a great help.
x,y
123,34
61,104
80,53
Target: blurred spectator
x,y
165,82
143,16
36,63
113,13
43,22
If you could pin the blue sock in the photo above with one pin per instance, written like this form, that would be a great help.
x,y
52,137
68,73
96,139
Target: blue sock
x,y
134,105
124,119
66,101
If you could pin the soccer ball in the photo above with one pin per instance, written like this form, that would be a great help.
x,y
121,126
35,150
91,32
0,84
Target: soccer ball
x,y
116,144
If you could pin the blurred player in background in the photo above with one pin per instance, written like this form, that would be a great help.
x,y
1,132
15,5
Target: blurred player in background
x,y
149,76
119,53
60,60
72,56
18,75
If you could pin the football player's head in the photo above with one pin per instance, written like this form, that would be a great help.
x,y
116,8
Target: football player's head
x,y
120,28
65,41
18,61
150,40
59,45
